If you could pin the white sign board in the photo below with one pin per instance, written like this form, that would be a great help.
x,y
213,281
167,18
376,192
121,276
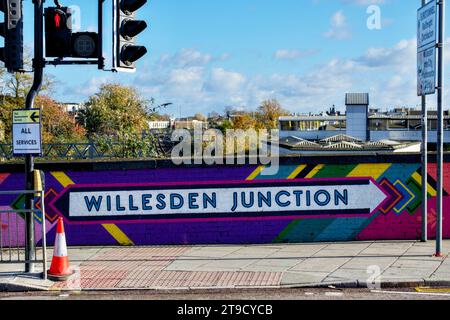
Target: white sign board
x,y
27,132
232,201
426,49
426,72
426,25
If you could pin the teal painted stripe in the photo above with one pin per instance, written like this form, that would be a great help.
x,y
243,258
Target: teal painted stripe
x,y
344,229
305,231
400,171
283,173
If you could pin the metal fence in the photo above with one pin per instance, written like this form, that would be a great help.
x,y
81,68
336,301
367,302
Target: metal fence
x,y
95,151
13,232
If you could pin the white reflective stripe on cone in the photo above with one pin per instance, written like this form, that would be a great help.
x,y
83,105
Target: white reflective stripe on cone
x,y
60,245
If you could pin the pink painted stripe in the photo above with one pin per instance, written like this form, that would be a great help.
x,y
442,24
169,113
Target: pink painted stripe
x,y
3,177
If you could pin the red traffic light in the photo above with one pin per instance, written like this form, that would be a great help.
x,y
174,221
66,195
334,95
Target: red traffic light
x,y
57,20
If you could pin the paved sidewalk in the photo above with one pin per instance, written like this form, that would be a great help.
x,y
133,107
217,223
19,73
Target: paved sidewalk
x,y
272,266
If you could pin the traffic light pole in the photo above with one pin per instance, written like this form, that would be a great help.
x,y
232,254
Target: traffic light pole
x,y
38,67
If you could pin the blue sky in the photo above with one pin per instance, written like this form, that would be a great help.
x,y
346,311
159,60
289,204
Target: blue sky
x,y
205,55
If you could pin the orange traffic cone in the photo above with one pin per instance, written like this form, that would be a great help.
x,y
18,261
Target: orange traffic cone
x,y
60,268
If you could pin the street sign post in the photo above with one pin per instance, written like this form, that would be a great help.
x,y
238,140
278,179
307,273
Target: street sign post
x,y
426,49
440,131
27,132
426,84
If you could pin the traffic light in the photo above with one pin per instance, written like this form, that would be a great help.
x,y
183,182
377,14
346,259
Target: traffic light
x,y
58,32
12,30
84,45
126,28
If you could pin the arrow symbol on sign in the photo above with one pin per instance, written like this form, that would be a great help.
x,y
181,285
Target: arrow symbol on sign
x,y
337,198
35,117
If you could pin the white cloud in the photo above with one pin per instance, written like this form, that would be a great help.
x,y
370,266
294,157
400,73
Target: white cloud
x,y
91,86
365,2
338,29
188,57
284,54
225,81
388,74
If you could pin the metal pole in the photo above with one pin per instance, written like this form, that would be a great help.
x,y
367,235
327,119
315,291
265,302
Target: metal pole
x,y
424,169
424,164
101,59
38,66
440,133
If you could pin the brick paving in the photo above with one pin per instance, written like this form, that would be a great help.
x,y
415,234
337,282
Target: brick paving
x,y
246,266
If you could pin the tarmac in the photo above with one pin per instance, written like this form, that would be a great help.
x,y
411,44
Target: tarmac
x,y
374,265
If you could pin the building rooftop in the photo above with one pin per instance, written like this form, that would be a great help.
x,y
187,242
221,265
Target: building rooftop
x,y
352,99
344,142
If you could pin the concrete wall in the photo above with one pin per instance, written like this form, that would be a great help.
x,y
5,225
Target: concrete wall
x,y
397,178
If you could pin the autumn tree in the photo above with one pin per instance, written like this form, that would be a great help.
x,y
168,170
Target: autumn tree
x,y
58,126
245,121
269,112
200,117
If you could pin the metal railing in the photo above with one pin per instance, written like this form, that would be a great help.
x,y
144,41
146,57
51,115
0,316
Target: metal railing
x,y
13,233
92,151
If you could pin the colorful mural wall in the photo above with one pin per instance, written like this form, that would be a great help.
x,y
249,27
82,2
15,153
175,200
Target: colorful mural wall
x,y
304,202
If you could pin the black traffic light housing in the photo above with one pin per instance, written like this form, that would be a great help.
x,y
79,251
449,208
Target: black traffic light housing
x,y
62,42
126,28
58,32
84,45
12,30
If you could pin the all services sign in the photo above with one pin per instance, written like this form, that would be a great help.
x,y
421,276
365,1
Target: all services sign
x,y
27,132
426,49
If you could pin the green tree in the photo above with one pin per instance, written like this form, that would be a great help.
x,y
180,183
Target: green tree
x,y
18,84
115,110
116,117
224,126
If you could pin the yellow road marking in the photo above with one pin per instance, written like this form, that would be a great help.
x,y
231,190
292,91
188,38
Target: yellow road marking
x,y
433,290
112,229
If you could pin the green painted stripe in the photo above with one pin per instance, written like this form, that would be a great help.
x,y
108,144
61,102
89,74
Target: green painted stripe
x,y
417,190
306,230
336,171
288,229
